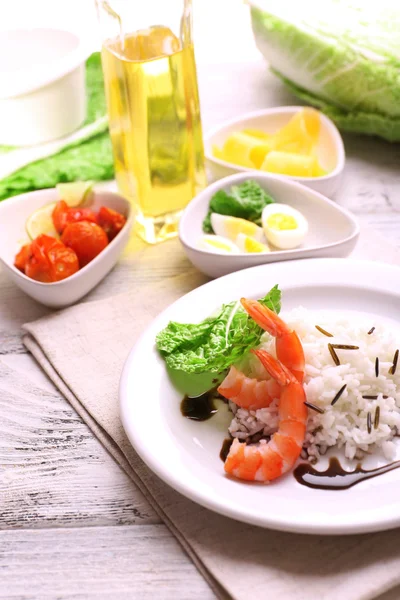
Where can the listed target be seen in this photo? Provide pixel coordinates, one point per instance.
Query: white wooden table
(72, 524)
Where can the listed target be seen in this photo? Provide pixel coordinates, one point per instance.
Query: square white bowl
(329, 150)
(13, 215)
(333, 231)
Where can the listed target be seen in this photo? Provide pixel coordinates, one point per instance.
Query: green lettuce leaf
(342, 56)
(354, 122)
(91, 160)
(245, 201)
(215, 343)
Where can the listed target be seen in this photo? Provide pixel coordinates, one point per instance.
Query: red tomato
(64, 262)
(75, 215)
(50, 260)
(22, 257)
(59, 216)
(38, 266)
(86, 239)
(111, 221)
(63, 215)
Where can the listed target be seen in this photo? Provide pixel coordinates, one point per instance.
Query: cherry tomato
(50, 260)
(59, 216)
(63, 215)
(64, 262)
(86, 239)
(38, 266)
(22, 257)
(75, 215)
(111, 221)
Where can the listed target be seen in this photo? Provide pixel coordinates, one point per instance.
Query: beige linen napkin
(83, 348)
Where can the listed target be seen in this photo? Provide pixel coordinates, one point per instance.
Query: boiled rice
(343, 425)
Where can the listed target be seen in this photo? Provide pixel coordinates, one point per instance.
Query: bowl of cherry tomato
(56, 253)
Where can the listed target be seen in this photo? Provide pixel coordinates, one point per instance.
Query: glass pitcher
(153, 105)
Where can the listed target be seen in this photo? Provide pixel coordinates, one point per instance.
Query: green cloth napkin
(91, 159)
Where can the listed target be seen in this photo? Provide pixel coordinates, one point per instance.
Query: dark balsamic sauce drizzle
(201, 407)
(226, 446)
(335, 477)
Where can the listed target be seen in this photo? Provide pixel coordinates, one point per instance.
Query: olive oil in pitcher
(155, 126)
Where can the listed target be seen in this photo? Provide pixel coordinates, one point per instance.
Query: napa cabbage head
(342, 56)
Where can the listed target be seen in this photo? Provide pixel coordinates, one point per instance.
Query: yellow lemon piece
(311, 121)
(248, 244)
(217, 152)
(251, 147)
(306, 122)
(230, 227)
(258, 153)
(238, 147)
(75, 193)
(287, 163)
(257, 133)
(41, 222)
(318, 171)
(300, 134)
(302, 146)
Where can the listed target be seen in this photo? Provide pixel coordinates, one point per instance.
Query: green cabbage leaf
(342, 56)
(215, 343)
(91, 159)
(245, 201)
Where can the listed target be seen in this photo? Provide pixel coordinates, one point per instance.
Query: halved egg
(230, 227)
(248, 244)
(284, 226)
(218, 244)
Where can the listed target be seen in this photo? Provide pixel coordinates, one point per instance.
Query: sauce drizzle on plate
(335, 477)
(199, 408)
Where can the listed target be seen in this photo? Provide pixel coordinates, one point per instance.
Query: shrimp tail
(276, 369)
(265, 317)
(287, 343)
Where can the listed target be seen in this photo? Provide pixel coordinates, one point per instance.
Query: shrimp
(287, 343)
(248, 393)
(266, 461)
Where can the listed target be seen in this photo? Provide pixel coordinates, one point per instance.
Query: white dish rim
(384, 522)
(95, 261)
(238, 177)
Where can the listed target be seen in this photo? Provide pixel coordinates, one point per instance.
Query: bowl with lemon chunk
(57, 244)
(254, 218)
(297, 142)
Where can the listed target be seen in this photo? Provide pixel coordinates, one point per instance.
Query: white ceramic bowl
(42, 85)
(333, 231)
(330, 149)
(13, 215)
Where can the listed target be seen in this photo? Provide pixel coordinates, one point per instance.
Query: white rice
(343, 425)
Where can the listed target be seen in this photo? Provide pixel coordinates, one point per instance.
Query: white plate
(333, 230)
(185, 453)
(330, 149)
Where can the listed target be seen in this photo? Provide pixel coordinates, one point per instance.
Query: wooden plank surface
(72, 523)
(53, 468)
(103, 563)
